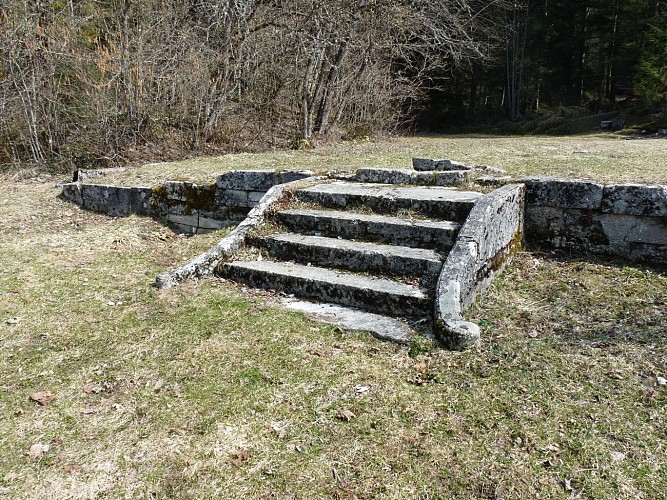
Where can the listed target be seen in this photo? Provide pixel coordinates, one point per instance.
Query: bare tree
(98, 82)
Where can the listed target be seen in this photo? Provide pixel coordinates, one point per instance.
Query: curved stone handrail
(491, 234)
(204, 265)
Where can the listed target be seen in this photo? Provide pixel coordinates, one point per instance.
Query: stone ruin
(425, 247)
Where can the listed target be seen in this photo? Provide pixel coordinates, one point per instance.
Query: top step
(405, 176)
(440, 202)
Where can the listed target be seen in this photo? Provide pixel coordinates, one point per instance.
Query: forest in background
(94, 83)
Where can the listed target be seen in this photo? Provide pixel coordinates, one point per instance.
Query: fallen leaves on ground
(242, 456)
(345, 415)
(92, 388)
(43, 398)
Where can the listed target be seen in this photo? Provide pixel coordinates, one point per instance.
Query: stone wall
(491, 233)
(111, 200)
(189, 207)
(244, 188)
(193, 208)
(625, 220)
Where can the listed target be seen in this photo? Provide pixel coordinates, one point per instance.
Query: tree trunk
(322, 122)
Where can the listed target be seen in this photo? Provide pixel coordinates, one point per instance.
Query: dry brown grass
(605, 158)
(207, 390)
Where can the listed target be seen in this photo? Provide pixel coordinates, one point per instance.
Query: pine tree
(651, 79)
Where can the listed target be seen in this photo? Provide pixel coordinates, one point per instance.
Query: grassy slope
(205, 390)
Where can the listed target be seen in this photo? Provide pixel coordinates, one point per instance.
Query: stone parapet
(487, 240)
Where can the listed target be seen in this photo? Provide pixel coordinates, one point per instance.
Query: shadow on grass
(599, 300)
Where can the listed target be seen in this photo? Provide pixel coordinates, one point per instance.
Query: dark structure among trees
(86, 83)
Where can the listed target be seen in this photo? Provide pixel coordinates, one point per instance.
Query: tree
(515, 57)
(652, 74)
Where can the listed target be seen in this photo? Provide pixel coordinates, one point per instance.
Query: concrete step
(438, 202)
(380, 228)
(372, 294)
(405, 176)
(352, 255)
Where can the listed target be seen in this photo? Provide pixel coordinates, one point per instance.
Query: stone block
(404, 176)
(496, 219)
(258, 180)
(628, 236)
(635, 199)
(191, 220)
(564, 228)
(140, 200)
(624, 229)
(110, 200)
(254, 197)
(565, 193)
(175, 190)
(427, 164)
(248, 180)
(493, 180)
(384, 175)
(210, 223)
(294, 175)
(233, 198)
(72, 192)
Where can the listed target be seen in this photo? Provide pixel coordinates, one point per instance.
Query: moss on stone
(158, 197)
(199, 197)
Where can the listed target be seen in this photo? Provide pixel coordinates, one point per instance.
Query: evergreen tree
(652, 73)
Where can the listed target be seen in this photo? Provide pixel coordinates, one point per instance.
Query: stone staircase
(375, 247)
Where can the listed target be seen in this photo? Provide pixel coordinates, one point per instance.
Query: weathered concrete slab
(635, 199)
(232, 197)
(404, 176)
(418, 233)
(565, 193)
(372, 294)
(351, 255)
(628, 229)
(381, 327)
(83, 174)
(428, 164)
(115, 201)
(493, 180)
(254, 197)
(446, 203)
(106, 199)
(140, 200)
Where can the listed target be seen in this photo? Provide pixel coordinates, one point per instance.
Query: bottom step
(372, 294)
(380, 326)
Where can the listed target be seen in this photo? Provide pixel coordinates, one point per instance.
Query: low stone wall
(189, 207)
(245, 188)
(193, 208)
(489, 236)
(111, 200)
(625, 220)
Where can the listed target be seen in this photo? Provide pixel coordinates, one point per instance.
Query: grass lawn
(605, 158)
(208, 391)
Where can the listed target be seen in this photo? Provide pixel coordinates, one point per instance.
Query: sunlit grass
(604, 158)
(208, 390)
